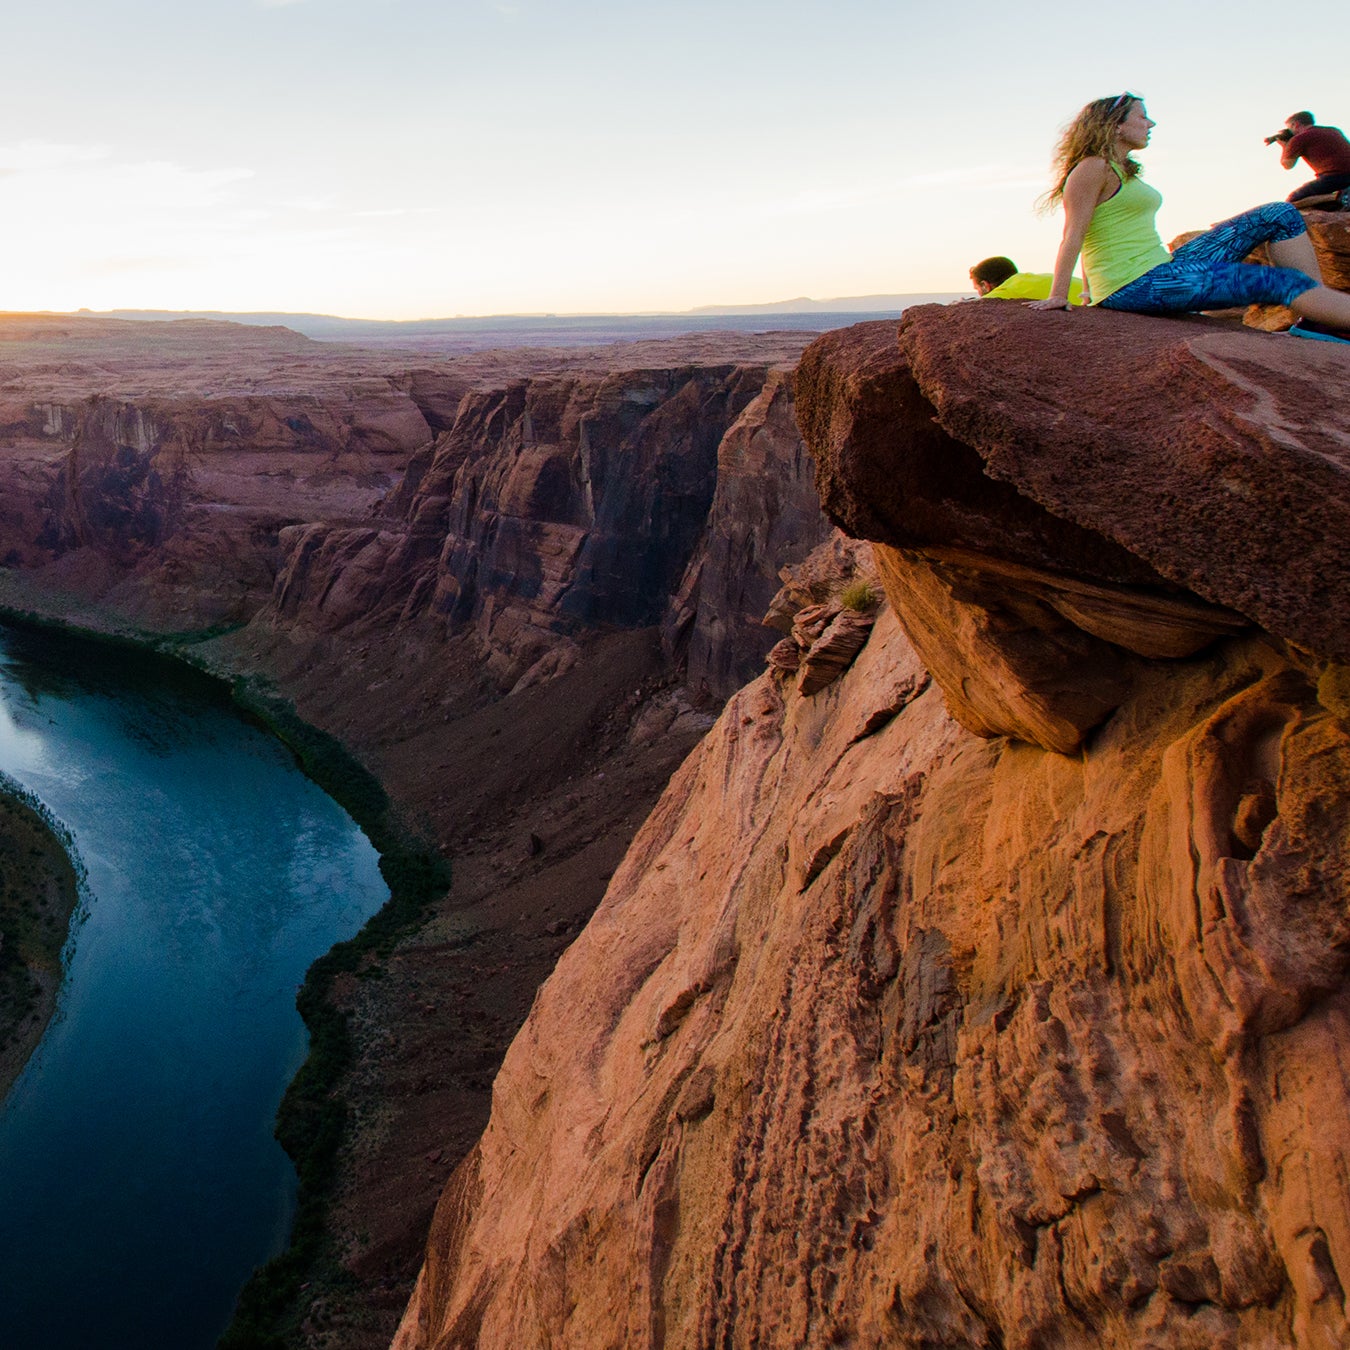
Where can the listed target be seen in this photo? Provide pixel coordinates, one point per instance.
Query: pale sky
(413, 159)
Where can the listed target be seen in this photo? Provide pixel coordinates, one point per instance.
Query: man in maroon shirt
(1324, 148)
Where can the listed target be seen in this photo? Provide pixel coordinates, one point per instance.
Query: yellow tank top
(1122, 240)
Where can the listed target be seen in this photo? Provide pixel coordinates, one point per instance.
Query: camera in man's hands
(1284, 134)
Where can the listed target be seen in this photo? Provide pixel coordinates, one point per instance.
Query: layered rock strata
(151, 469)
(566, 504)
(997, 994)
(474, 606)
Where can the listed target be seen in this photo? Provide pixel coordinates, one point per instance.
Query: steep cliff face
(166, 474)
(554, 507)
(188, 475)
(998, 994)
(715, 625)
(157, 487)
(513, 708)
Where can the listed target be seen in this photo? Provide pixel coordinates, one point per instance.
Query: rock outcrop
(1033, 515)
(997, 994)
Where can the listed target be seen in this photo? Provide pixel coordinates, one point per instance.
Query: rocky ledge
(1078, 492)
(998, 994)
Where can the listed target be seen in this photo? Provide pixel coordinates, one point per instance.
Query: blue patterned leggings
(1208, 273)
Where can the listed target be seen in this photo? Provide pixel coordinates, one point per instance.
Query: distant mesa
(473, 332)
(873, 305)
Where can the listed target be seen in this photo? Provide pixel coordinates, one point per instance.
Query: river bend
(139, 1179)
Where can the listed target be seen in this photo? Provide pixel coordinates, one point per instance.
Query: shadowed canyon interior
(989, 989)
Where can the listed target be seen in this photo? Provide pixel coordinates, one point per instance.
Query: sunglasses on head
(1121, 102)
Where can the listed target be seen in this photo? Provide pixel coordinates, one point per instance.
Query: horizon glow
(401, 159)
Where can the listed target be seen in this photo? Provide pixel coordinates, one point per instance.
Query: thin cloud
(391, 212)
(884, 193)
(45, 156)
(153, 211)
(974, 176)
(94, 168)
(310, 205)
(159, 262)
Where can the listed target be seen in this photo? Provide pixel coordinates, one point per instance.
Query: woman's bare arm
(1083, 190)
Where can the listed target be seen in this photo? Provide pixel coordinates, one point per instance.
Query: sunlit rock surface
(1065, 534)
(1018, 1024)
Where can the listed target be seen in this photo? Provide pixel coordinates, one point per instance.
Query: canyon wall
(486, 575)
(996, 994)
(170, 477)
(557, 506)
(150, 474)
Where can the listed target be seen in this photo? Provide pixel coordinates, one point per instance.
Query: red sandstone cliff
(998, 994)
(558, 505)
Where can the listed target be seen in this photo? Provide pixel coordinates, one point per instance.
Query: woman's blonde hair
(1092, 132)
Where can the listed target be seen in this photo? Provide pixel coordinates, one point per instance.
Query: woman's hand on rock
(1052, 303)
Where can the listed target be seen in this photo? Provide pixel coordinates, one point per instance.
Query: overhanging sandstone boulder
(1123, 485)
(1217, 456)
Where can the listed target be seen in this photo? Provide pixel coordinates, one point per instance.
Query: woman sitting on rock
(1108, 219)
